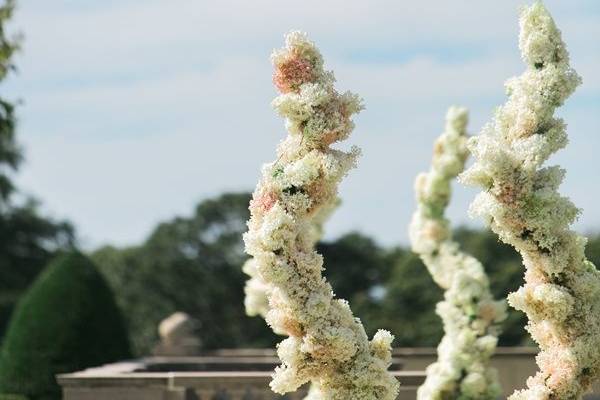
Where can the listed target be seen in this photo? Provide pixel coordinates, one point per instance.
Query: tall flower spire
(469, 312)
(521, 203)
(256, 300)
(326, 344)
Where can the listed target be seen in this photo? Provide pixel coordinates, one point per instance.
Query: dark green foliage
(191, 265)
(404, 296)
(392, 289)
(27, 240)
(358, 270)
(355, 267)
(27, 243)
(10, 153)
(592, 251)
(411, 296)
(386, 289)
(12, 397)
(67, 321)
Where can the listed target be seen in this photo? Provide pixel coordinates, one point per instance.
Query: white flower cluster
(256, 300)
(327, 345)
(470, 315)
(520, 202)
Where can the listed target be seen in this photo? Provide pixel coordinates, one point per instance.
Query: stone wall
(103, 385)
(244, 374)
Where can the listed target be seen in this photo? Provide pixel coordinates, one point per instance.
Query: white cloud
(134, 111)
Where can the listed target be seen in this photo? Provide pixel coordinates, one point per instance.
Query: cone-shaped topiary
(68, 320)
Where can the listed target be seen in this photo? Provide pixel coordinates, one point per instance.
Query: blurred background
(139, 129)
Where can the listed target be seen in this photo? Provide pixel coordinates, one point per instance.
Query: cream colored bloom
(521, 203)
(470, 315)
(326, 344)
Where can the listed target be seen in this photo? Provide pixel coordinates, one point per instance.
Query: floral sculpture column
(521, 203)
(470, 314)
(327, 345)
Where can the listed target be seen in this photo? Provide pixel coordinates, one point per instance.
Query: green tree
(408, 308)
(27, 242)
(357, 269)
(191, 265)
(10, 153)
(67, 321)
(27, 239)
(593, 249)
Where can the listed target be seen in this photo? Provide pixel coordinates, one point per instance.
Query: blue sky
(133, 111)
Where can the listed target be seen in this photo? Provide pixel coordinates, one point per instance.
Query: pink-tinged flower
(264, 201)
(292, 73)
(507, 193)
(535, 276)
(561, 368)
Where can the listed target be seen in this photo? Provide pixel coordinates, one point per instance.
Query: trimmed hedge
(67, 321)
(12, 397)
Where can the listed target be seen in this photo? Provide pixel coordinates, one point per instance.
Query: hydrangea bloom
(327, 345)
(470, 314)
(521, 203)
